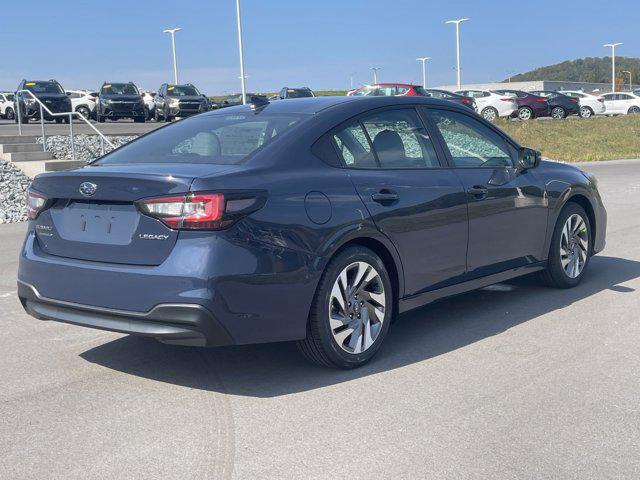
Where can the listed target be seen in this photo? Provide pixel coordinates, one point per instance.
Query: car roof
(313, 105)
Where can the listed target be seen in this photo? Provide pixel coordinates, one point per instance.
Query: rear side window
(215, 139)
(470, 143)
(388, 139)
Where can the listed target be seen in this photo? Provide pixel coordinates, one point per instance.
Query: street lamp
(628, 73)
(424, 69)
(613, 63)
(457, 22)
(375, 74)
(240, 49)
(173, 31)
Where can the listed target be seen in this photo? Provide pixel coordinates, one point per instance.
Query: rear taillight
(508, 100)
(200, 211)
(466, 101)
(35, 203)
(601, 100)
(540, 99)
(574, 100)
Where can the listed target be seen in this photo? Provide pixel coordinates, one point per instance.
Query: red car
(409, 90)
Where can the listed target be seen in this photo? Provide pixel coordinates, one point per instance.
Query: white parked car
(621, 103)
(589, 104)
(6, 106)
(83, 102)
(491, 105)
(148, 98)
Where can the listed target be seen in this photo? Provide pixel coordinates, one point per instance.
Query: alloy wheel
(585, 112)
(524, 114)
(574, 245)
(490, 114)
(634, 110)
(557, 113)
(357, 307)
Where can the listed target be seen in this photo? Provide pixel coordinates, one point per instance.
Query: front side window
(215, 139)
(470, 143)
(388, 139)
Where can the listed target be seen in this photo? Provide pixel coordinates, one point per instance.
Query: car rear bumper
(177, 324)
(256, 292)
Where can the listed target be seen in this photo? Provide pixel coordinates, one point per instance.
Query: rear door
(507, 209)
(418, 204)
(610, 103)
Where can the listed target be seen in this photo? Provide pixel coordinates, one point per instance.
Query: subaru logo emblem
(88, 189)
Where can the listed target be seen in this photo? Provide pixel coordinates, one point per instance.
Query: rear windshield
(43, 87)
(182, 90)
(217, 139)
(119, 89)
(299, 93)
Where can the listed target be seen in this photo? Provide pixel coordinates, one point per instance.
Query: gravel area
(13, 184)
(87, 146)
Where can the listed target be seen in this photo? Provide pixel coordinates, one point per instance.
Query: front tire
(490, 114)
(351, 311)
(9, 114)
(84, 111)
(570, 249)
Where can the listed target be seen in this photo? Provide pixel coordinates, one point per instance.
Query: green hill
(590, 69)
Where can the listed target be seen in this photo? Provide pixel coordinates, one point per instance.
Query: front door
(507, 208)
(418, 204)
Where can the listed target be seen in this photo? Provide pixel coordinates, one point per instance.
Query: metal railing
(70, 116)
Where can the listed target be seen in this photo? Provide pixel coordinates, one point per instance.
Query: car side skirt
(421, 299)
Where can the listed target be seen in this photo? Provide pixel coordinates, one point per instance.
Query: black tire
(555, 275)
(525, 113)
(586, 112)
(99, 118)
(633, 110)
(490, 114)
(320, 347)
(140, 119)
(9, 114)
(156, 114)
(84, 111)
(558, 113)
(167, 117)
(59, 120)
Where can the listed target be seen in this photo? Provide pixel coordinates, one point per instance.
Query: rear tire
(351, 311)
(525, 113)
(84, 111)
(571, 247)
(9, 114)
(633, 111)
(139, 119)
(586, 112)
(558, 113)
(489, 113)
(99, 118)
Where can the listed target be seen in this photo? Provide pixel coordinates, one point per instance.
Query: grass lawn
(579, 140)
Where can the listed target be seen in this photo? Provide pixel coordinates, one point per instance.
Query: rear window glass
(217, 139)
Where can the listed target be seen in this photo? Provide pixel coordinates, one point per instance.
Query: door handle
(479, 192)
(384, 196)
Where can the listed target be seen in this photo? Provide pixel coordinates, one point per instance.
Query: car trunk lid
(93, 215)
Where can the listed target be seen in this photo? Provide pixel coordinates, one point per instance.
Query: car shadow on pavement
(277, 369)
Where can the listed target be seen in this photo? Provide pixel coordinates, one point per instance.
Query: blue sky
(318, 43)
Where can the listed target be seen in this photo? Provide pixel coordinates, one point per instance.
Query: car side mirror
(528, 158)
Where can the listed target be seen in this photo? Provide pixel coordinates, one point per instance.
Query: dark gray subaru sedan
(316, 220)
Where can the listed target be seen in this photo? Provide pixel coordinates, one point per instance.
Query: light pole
(375, 74)
(424, 69)
(240, 49)
(173, 31)
(613, 63)
(629, 73)
(457, 22)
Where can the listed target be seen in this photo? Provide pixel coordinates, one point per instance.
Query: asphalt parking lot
(515, 381)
